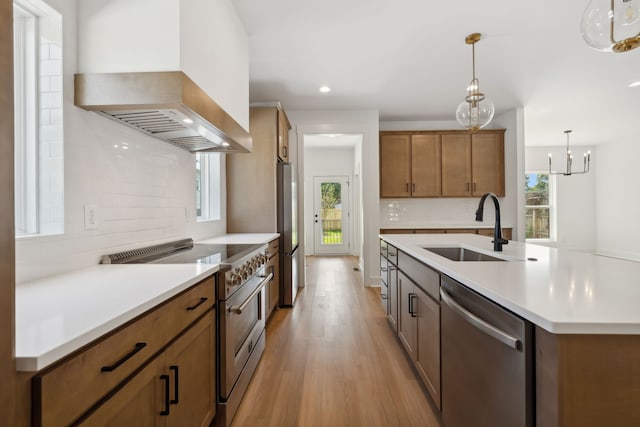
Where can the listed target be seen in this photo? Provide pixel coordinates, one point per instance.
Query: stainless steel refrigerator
(288, 229)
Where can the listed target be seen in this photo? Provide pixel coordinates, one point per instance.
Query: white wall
(363, 122)
(618, 200)
(141, 194)
(425, 212)
(203, 38)
(575, 197)
(330, 161)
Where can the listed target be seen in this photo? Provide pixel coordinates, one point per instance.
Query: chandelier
(612, 25)
(569, 159)
(476, 111)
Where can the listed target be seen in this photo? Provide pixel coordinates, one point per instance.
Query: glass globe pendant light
(476, 111)
(612, 25)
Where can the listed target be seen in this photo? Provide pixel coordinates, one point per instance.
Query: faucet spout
(498, 241)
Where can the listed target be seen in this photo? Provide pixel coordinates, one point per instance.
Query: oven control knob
(236, 279)
(248, 269)
(264, 259)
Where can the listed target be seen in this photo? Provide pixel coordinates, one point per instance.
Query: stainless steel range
(240, 307)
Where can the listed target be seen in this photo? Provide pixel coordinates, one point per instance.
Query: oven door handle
(238, 309)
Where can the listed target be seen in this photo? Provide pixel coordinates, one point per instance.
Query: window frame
(38, 58)
(26, 121)
(551, 206)
(208, 186)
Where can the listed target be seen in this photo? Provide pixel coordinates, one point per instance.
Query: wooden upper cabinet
(473, 164)
(395, 166)
(425, 165)
(456, 165)
(441, 163)
(283, 136)
(487, 163)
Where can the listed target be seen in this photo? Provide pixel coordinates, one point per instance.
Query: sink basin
(458, 253)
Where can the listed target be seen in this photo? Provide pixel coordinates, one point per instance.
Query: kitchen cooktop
(183, 252)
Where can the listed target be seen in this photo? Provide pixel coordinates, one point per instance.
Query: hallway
(332, 360)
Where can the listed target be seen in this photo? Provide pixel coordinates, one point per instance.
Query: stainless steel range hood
(166, 105)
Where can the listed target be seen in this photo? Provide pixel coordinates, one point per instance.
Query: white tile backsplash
(140, 193)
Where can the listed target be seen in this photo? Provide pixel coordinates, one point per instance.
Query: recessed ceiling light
(634, 84)
(325, 89)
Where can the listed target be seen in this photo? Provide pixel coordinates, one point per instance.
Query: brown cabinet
(419, 332)
(273, 287)
(176, 389)
(473, 164)
(283, 136)
(441, 163)
(252, 178)
(67, 390)
(409, 165)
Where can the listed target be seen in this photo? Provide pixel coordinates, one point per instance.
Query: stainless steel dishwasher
(487, 361)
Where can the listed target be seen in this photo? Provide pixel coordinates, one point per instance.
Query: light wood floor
(332, 360)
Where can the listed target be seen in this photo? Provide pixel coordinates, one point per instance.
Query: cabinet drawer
(69, 388)
(425, 277)
(273, 249)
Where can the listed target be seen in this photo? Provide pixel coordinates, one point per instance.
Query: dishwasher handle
(480, 324)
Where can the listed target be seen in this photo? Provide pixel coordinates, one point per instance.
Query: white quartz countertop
(564, 292)
(257, 238)
(57, 315)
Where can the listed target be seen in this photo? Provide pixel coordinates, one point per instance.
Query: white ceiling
(408, 59)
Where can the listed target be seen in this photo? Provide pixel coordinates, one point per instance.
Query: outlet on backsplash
(90, 217)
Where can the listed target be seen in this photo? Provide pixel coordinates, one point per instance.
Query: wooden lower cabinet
(177, 388)
(135, 404)
(191, 365)
(419, 332)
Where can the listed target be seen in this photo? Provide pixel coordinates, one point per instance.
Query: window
(538, 206)
(208, 186)
(39, 167)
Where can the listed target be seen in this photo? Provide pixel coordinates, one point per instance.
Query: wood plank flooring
(332, 360)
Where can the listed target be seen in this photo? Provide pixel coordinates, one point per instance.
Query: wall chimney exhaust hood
(167, 105)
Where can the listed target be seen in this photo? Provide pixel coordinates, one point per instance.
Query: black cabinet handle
(198, 304)
(174, 368)
(412, 309)
(139, 346)
(166, 411)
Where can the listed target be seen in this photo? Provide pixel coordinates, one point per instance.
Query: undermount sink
(458, 253)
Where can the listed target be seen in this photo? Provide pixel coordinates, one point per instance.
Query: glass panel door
(331, 215)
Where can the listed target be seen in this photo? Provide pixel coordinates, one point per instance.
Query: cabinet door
(283, 137)
(425, 165)
(428, 343)
(273, 288)
(393, 296)
(456, 165)
(487, 163)
(395, 166)
(190, 364)
(138, 403)
(406, 315)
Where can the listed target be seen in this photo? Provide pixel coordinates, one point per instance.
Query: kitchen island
(585, 317)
